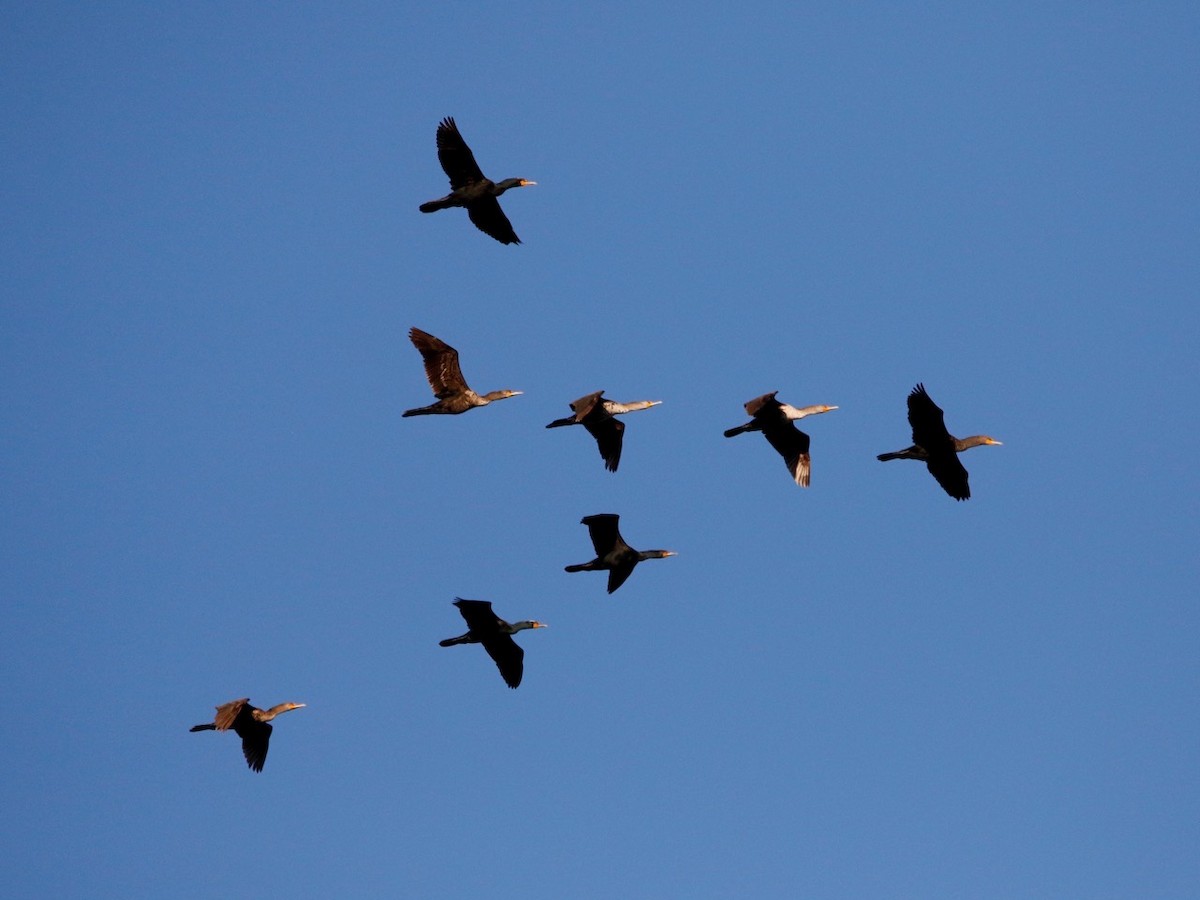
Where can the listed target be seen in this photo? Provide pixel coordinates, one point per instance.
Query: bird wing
(584, 406)
(479, 616)
(602, 528)
(508, 656)
(792, 444)
(618, 574)
(256, 739)
(950, 474)
(441, 364)
(755, 406)
(608, 434)
(227, 713)
(491, 220)
(455, 156)
(927, 420)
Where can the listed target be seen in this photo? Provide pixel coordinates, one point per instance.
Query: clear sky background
(212, 255)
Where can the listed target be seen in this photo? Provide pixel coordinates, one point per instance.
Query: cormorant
(935, 446)
(596, 415)
(774, 420)
(612, 553)
(250, 724)
(446, 379)
(470, 188)
(485, 627)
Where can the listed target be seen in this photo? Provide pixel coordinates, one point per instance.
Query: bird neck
(502, 186)
(656, 554)
(975, 440)
(630, 407)
(522, 626)
(269, 714)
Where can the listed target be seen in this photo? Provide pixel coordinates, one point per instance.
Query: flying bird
(774, 419)
(937, 447)
(470, 189)
(485, 627)
(249, 723)
(595, 414)
(446, 379)
(613, 555)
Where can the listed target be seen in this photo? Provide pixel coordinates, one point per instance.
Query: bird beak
(540, 625)
(996, 443)
(828, 408)
(525, 183)
(298, 705)
(656, 403)
(672, 553)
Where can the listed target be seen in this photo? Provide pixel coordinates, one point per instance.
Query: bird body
(469, 188)
(485, 627)
(935, 446)
(596, 414)
(249, 723)
(774, 419)
(446, 378)
(613, 555)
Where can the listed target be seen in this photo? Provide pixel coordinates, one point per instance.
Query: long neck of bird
(633, 406)
(793, 413)
(975, 440)
(268, 714)
(522, 626)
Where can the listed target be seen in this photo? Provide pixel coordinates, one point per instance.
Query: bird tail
(434, 205)
(884, 457)
(422, 411)
(734, 432)
(207, 726)
(559, 423)
(450, 642)
(579, 567)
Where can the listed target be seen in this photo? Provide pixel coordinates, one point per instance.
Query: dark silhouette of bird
(613, 555)
(937, 447)
(595, 414)
(774, 419)
(470, 189)
(485, 627)
(249, 723)
(446, 379)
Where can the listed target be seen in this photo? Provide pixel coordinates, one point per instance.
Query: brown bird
(250, 724)
(774, 419)
(613, 555)
(470, 189)
(937, 447)
(485, 627)
(596, 415)
(446, 379)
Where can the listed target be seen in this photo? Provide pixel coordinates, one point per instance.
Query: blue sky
(213, 256)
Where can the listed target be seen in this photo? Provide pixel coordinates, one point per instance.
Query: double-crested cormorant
(937, 447)
(612, 553)
(595, 414)
(446, 379)
(774, 420)
(487, 628)
(250, 724)
(470, 188)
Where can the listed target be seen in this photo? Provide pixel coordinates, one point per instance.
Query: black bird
(774, 419)
(470, 189)
(613, 555)
(937, 447)
(485, 627)
(596, 415)
(250, 724)
(446, 379)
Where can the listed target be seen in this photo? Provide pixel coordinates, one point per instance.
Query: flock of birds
(932, 444)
